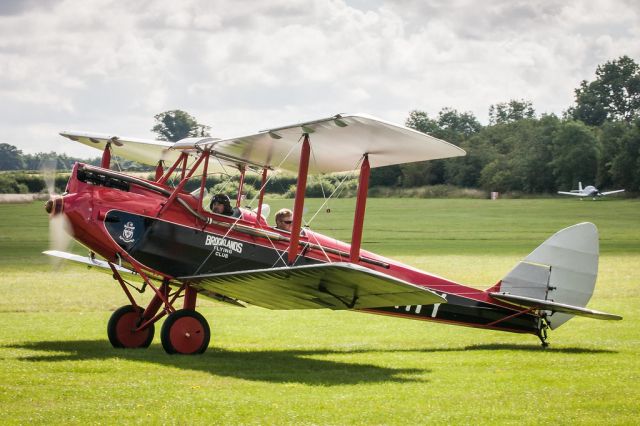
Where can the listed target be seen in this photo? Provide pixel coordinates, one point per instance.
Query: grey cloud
(241, 66)
(17, 7)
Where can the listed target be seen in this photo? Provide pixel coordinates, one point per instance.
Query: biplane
(154, 232)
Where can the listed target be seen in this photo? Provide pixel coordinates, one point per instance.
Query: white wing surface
(612, 192)
(145, 151)
(337, 143)
(575, 194)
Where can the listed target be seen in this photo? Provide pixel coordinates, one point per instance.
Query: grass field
(323, 367)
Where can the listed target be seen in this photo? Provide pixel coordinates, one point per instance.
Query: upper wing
(145, 151)
(612, 192)
(337, 143)
(329, 285)
(577, 194)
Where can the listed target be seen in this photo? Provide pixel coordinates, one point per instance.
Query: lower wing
(330, 285)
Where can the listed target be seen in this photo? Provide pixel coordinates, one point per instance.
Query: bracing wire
(251, 203)
(349, 175)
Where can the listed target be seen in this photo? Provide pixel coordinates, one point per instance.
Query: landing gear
(185, 332)
(543, 326)
(122, 326)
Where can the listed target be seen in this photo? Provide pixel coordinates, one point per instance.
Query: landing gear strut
(543, 326)
(185, 331)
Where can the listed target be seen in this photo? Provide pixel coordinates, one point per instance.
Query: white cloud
(110, 66)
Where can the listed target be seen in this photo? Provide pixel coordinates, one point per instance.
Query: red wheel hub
(125, 331)
(187, 335)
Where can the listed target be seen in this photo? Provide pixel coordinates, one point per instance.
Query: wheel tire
(121, 325)
(185, 332)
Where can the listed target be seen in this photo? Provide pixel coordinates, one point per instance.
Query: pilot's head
(284, 219)
(221, 204)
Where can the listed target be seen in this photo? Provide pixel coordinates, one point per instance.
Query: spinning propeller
(60, 234)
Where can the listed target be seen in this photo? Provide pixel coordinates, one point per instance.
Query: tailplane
(558, 277)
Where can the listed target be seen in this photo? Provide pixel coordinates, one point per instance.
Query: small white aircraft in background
(589, 191)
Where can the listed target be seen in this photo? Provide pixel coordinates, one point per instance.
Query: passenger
(221, 204)
(284, 219)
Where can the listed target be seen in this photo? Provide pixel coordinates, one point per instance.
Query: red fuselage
(124, 219)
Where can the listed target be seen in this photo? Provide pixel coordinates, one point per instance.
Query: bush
(432, 191)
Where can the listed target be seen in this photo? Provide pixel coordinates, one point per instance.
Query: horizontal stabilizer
(548, 305)
(330, 285)
(89, 261)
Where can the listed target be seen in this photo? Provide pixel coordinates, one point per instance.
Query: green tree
(176, 124)
(455, 127)
(626, 162)
(497, 175)
(515, 156)
(508, 112)
(452, 126)
(613, 95)
(465, 171)
(575, 153)
(10, 157)
(610, 136)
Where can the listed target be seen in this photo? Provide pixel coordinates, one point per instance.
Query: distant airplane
(589, 191)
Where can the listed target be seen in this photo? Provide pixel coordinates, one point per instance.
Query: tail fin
(580, 186)
(561, 273)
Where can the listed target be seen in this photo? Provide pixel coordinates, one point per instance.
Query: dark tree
(626, 161)
(614, 95)
(575, 155)
(508, 112)
(452, 126)
(10, 157)
(176, 124)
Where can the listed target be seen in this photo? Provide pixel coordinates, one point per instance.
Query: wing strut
(261, 197)
(159, 170)
(243, 169)
(298, 206)
(361, 204)
(105, 163)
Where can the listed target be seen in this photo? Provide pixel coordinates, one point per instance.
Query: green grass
(324, 367)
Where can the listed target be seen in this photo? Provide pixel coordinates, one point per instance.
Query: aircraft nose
(54, 205)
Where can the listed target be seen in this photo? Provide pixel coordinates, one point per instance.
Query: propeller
(60, 233)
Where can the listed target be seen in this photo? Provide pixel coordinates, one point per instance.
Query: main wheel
(185, 332)
(121, 328)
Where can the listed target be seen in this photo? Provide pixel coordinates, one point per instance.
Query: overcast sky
(241, 66)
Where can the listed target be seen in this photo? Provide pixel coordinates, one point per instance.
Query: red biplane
(168, 239)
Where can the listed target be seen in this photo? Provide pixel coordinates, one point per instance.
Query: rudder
(563, 269)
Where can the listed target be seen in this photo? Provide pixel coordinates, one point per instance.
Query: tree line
(596, 141)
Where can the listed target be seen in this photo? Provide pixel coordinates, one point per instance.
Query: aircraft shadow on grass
(285, 366)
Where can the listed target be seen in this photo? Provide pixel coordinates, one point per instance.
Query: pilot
(284, 219)
(221, 204)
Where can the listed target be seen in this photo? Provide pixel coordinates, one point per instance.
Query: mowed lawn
(324, 367)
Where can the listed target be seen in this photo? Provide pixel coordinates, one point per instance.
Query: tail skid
(557, 278)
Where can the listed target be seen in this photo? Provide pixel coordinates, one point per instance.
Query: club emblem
(127, 232)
